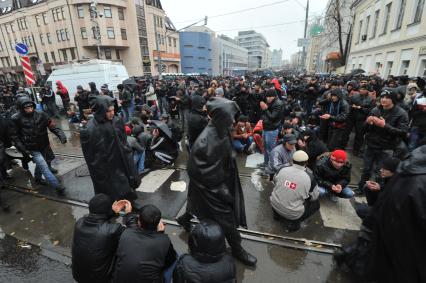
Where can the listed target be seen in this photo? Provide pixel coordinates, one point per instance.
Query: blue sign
(21, 48)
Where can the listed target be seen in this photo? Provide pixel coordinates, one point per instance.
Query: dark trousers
(335, 138)
(359, 135)
(373, 159)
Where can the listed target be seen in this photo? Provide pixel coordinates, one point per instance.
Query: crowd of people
(307, 128)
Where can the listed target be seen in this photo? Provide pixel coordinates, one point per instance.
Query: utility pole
(304, 35)
(96, 30)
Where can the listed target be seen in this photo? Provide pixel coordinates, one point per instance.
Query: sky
(281, 22)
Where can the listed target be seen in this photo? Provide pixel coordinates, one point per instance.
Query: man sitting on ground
(281, 155)
(333, 174)
(295, 195)
(145, 253)
(95, 240)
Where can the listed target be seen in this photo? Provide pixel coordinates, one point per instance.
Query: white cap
(300, 156)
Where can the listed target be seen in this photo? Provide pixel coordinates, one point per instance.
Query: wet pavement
(49, 224)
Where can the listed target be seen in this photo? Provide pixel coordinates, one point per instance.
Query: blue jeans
(168, 273)
(269, 141)
(239, 145)
(345, 193)
(43, 169)
(415, 136)
(139, 159)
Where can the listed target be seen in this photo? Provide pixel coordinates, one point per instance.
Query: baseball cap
(300, 156)
(339, 155)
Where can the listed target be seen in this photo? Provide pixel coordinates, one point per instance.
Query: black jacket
(366, 104)
(30, 130)
(418, 116)
(390, 135)
(208, 261)
(94, 246)
(82, 99)
(397, 249)
(107, 155)
(142, 256)
(214, 186)
(272, 116)
(196, 119)
(327, 176)
(339, 112)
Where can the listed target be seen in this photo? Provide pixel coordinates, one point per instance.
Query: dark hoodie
(30, 130)
(197, 120)
(397, 251)
(93, 93)
(214, 187)
(207, 261)
(107, 155)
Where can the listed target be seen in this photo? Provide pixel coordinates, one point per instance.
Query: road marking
(254, 159)
(151, 182)
(340, 215)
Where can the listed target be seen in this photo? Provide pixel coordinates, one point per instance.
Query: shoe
(358, 192)
(292, 226)
(40, 181)
(60, 190)
(252, 148)
(245, 257)
(184, 223)
(53, 170)
(339, 257)
(334, 198)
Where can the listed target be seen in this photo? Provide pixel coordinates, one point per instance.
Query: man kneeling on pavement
(295, 195)
(333, 174)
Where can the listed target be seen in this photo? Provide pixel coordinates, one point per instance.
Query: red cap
(339, 155)
(127, 130)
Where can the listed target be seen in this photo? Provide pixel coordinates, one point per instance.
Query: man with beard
(107, 155)
(214, 188)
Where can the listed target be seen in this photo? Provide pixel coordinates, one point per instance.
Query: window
(387, 15)
(45, 21)
(422, 71)
(359, 31)
(72, 53)
(37, 18)
(364, 34)
(96, 33)
(120, 13)
(16, 61)
(58, 35)
(110, 33)
(63, 13)
(170, 41)
(107, 11)
(80, 11)
(188, 46)
(46, 57)
(404, 67)
(376, 20)
(108, 54)
(65, 55)
(54, 15)
(388, 68)
(174, 42)
(419, 11)
(401, 14)
(49, 38)
(41, 39)
(117, 54)
(67, 34)
(123, 34)
(53, 56)
(83, 32)
(161, 22)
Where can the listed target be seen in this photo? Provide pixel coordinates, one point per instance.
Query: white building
(277, 57)
(257, 47)
(389, 37)
(232, 58)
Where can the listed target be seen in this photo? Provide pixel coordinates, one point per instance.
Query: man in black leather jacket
(29, 133)
(207, 261)
(95, 240)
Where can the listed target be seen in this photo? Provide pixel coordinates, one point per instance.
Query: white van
(97, 71)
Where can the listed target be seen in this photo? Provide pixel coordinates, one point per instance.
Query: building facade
(163, 40)
(258, 49)
(277, 58)
(233, 59)
(389, 37)
(62, 31)
(196, 52)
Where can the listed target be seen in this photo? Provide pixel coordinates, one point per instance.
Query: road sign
(21, 48)
(26, 66)
(303, 42)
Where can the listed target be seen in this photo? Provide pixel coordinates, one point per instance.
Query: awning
(334, 55)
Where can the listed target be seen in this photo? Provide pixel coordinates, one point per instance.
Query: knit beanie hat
(339, 155)
(390, 93)
(100, 204)
(390, 163)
